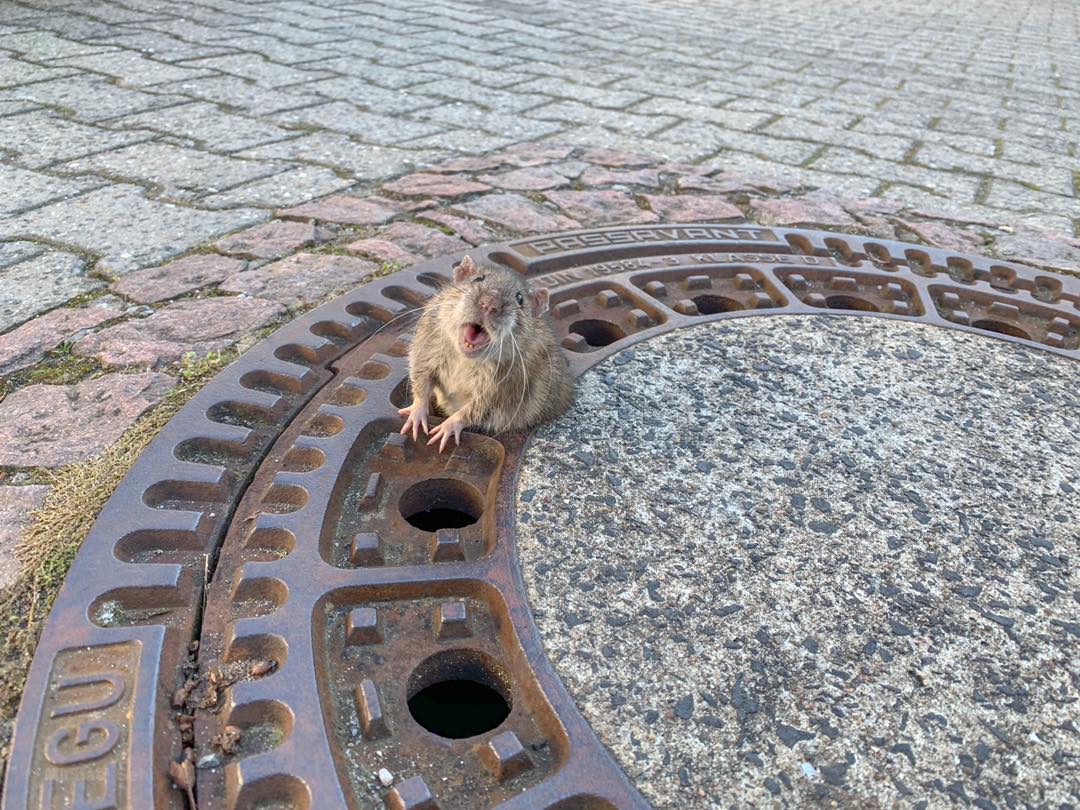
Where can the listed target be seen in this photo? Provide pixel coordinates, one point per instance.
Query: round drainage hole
(441, 503)
(458, 708)
(849, 302)
(459, 693)
(711, 304)
(597, 332)
(1001, 328)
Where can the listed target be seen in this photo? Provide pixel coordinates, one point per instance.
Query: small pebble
(386, 779)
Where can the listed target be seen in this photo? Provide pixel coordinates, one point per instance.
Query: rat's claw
(443, 432)
(415, 418)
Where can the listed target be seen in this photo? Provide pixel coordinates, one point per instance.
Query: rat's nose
(488, 303)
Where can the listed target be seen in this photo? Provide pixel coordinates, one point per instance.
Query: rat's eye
(478, 279)
(520, 299)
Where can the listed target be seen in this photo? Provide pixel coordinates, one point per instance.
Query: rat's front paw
(441, 433)
(416, 416)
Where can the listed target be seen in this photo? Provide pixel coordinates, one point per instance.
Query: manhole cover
(366, 610)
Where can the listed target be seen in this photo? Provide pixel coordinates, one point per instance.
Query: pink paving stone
(420, 239)
(535, 154)
(176, 278)
(467, 164)
(728, 183)
(1041, 248)
(16, 504)
(872, 207)
(956, 215)
(615, 157)
(601, 207)
(538, 178)
(198, 325)
(943, 236)
(271, 240)
(26, 345)
(53, 425)
(302, 279)
(468, 229)
(343, 210)
(434, 185)
(701, 208)
(516, 213)
(596, 176)
(383, 251)
(801, 211)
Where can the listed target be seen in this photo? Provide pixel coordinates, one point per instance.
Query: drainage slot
(441, 503)
(459, 693)
(712, 304)
(597, 332)
(1001, 328)
(849, 302)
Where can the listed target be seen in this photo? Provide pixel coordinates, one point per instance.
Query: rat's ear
(465, 269)
(539, 300)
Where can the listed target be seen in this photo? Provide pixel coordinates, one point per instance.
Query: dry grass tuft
(48, 547)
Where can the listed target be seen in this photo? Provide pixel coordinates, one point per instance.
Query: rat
(485, 354)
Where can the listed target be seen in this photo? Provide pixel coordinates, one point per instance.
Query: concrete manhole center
(783, 556)
(761, 558)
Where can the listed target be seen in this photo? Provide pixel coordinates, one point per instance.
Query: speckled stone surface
(818, 561)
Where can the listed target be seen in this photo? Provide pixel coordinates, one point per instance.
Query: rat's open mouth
(474, 337)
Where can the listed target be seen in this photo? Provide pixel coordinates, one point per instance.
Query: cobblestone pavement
(134, 131)
(158, 160)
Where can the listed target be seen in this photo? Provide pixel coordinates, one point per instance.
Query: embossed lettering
(82, 750)
(82, 801)
(82, 737)
(658, 233)
(115, 693)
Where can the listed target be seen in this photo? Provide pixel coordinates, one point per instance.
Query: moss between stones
(48, 547)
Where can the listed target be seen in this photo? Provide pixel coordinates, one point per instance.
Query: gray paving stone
(15, 252)
(127, 229)
(504, 101)
(640, 126)
(161, 46)
(179, 171)
(244, 95)
(205, 124)
(582, 91)
(363, 93)
(388, 76)
(42, 280)
(290, 187)
(726, 118)
(780, 150)
(16, 506)
(90, 98)
(43, 45)
(391, 87)
(470, 117)
(41, 137)
(134, 69)
(15, 106)
(14, 72)
(285, 53)
(338, 116)
(258, 69)
(362, 161)
(22, 189)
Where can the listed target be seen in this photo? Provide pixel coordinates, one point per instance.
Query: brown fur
(519, 379)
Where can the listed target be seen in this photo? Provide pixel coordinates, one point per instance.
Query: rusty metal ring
(337, 596)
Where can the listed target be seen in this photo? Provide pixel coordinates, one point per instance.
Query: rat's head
(492, 304)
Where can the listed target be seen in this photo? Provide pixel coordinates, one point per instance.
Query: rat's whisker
(413, 311)
(524, 381)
